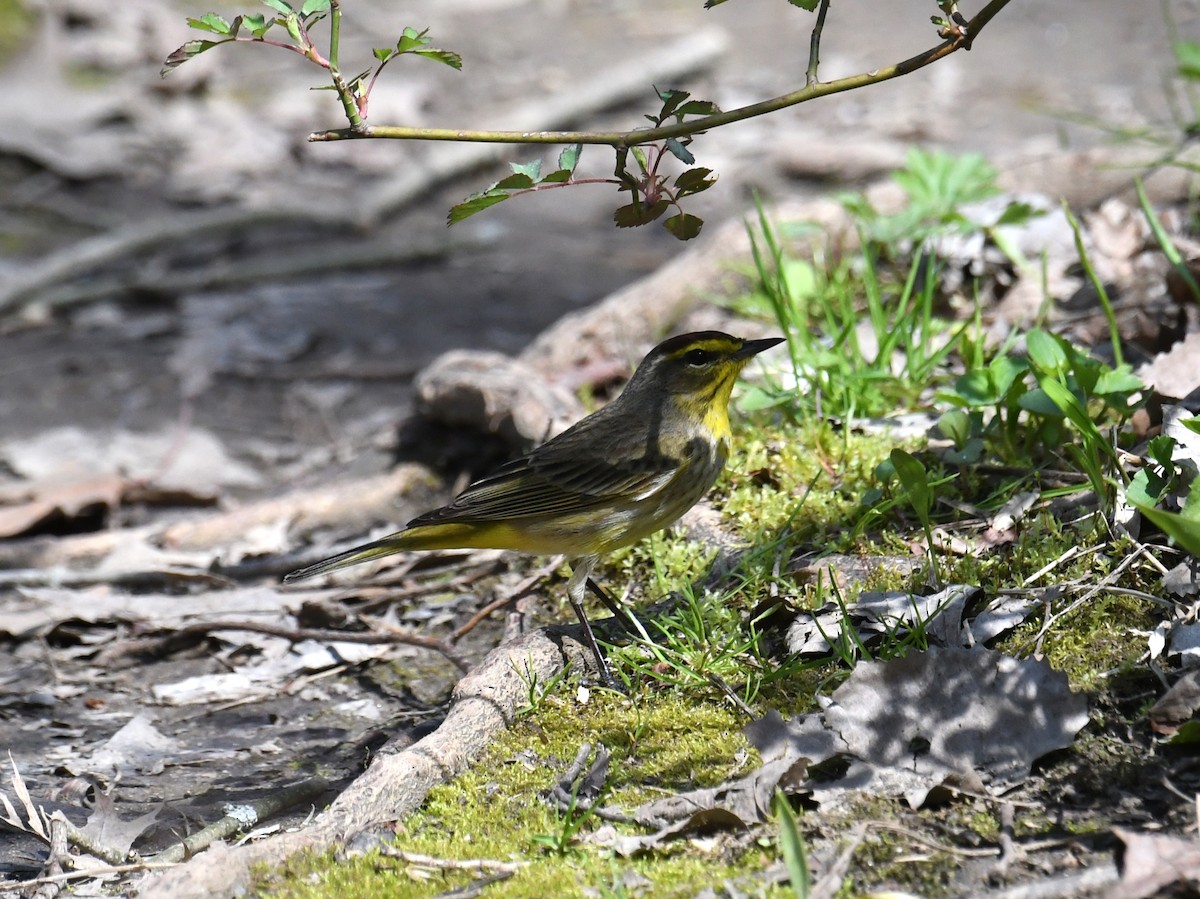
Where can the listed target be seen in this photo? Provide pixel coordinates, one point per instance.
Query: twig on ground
(480, 865)
(243, 817)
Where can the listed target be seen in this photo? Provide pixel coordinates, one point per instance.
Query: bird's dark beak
(754, 347)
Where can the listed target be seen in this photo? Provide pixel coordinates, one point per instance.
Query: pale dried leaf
(954, 712)
(1153, 862)
(1177, 705)
(107, 828)
(33, 822)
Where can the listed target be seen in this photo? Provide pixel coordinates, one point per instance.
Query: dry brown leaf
(1153, 862)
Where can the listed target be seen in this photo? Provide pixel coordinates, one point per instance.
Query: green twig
(621, 139)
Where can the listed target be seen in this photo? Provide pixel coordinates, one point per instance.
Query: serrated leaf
(684, 226)
(532, 169)
(693, 181)
(561, 176)
(211, 22)
(186, 52)
(679, 151)
(698, 107)
(314, 6)
(292, 23)
(569, 157)
(256, 23)
(472, 205)
(515, 181)
(279, 6)
(635, 214)
(446, 57)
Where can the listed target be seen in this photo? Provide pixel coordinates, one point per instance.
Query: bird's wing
(545, 484)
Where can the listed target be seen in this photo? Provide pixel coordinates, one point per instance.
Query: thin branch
(620, 139)
(814, 46)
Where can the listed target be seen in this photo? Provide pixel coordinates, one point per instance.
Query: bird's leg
(580, 569)
(619, 612)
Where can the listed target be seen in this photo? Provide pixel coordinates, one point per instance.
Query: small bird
(620, 474)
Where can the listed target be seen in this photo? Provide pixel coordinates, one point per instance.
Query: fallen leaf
(53, 500)
(947, 712)
(1152, 862)
(1177, 705)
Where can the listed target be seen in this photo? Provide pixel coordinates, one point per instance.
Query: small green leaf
(809, 5)
(314, 6)
(559, 176)
(383, 54)
(569, 157)
(279, 6)
(1119, 380)
(1162, 448)
(1045, 352)
(210, 22)
(446, 57)
(411, 39)
(698, 107)
(1187, 57)
(955, 425)
(1037, 402)
(515, 181)
(916, 482)
(679, 151)
(635, 214)
(292, 22)
(186, 52)
(474, 204)
(532, 169)
(684, 226)
(256, 23)
(693, 181)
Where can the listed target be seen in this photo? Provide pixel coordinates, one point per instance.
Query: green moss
(497, 811)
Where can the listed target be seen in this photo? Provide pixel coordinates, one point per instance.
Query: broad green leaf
(1039, 403)
(472, 205)
(210, 22)
(684, 226)
(955, 425)
(1045, 352)
(1120, 380)
(1147, 487)
(1162, 448)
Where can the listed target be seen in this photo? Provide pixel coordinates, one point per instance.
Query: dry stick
(830, 883)
(89, 874)
(54, 862)
(374, 203)
(244, 817)
(296, 635)
(478, 865)
(524, 588)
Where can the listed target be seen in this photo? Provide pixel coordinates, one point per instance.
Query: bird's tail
(439, 536)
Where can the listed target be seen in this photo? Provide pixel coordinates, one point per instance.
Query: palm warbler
(618, 475)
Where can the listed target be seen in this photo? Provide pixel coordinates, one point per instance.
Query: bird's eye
(699, 357)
